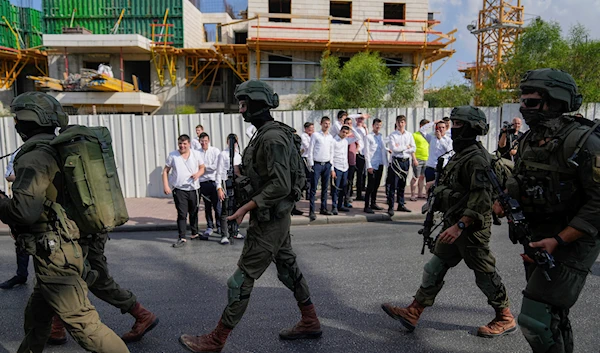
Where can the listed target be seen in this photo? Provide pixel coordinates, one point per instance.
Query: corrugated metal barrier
(142, 143)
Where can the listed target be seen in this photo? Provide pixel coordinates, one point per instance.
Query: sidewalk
(159, 214)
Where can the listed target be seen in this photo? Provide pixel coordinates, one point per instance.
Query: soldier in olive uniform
(557, 182)
(267, 162)
(464, 194)
(45, 232)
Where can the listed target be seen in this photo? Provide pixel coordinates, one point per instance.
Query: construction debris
(86, 80)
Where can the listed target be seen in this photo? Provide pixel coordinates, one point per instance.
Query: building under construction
(145, 56)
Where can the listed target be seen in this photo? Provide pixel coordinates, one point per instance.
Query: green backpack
(93, 195)
(95, 200)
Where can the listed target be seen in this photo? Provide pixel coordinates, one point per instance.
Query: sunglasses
(531, 102)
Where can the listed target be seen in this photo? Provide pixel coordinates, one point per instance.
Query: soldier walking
(465, 196)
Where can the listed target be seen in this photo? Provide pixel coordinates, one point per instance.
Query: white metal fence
(142, 143)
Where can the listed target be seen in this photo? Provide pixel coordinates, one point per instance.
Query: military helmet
(559, 85)
(39, 107)
(471, 116)
(258, 91)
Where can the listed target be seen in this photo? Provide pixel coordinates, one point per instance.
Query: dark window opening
(211, 74)
(240, 37)
(394, 65)
(93, 65)
(341, 9)
(280, 66)
(343, 60)
(141, 70)
(280, 6)
(394, 12)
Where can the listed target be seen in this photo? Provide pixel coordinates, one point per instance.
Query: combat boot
(503, 324)
(144, 322)
(407, 316)
(212, 342)
(308, 326)
(58, 334)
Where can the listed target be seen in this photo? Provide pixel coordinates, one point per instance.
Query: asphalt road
(351, 270)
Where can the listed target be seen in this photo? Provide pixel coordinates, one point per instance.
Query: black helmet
(472, 117)
(40, 108)
(558, 84)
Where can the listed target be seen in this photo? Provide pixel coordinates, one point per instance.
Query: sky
(460, 13)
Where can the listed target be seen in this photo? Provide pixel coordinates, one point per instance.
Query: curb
(296, 221)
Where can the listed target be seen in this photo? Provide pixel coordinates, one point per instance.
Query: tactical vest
(546, 175)
(298, 175)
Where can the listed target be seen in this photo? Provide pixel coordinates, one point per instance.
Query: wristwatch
(560, 241)
(461, 225)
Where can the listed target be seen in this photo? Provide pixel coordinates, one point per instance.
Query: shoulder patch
(24, 179)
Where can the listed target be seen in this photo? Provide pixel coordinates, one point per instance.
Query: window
(343, 60)
(280, 66)
(280, 6)
(341, 9)
(394, 12)
(240, 37)
(394, 64)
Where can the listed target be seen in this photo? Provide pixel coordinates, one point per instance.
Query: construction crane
(497, 29)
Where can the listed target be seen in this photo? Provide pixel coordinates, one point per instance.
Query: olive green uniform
(267, 164)
(45, 232)
(554, 195)
(464, 183)
(104, 287)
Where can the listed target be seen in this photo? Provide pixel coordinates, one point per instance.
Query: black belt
(207, 181)
(401, 159)
(321, 163)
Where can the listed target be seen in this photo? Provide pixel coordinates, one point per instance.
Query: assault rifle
(428, 224)
(519, 227)
(232, 226)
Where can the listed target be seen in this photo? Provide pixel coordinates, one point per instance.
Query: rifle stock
(232, 226)
(428, 224)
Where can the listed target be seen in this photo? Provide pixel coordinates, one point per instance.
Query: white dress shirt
(335, 128)
(360, 132)
(375, 151)
(211, 159)
(320, 148)
(437, 147)
(340, 152)
(305, 144)
(183, 169)
(250, 130)
(399, 144)
(223, 165)
(196, 144)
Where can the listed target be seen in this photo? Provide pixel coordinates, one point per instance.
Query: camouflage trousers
(60, 289)
(573, 263)
(474, 249)
(105, 287)
(266, 242)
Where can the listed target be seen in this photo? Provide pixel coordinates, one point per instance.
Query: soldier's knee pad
(432, 271)
(234, 287)
(535, 320)
(287, 275)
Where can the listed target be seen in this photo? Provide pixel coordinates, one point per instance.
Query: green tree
(449, 96)
(543, 45)
(364, 81)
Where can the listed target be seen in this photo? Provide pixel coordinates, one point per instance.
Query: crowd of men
(550, 195)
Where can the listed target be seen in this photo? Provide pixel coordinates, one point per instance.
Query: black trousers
(360, 174)
(350, 184)
(374, 180)
(186, 202)
(208, 191)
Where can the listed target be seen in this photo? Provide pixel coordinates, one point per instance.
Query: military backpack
(93, 195)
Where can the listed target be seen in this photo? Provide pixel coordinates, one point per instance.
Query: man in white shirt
(439, 145)
(375, 160)
(309, 129)
(223, 166)
(187, 166)
(360, 127)
(196, 141)
(402, 145)
(340, 166)
(337, 125)
(208, 186)
(320, 153)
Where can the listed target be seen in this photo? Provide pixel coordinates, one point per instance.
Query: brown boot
(58, 335)
(212, 342)
(503, 324)
(308, 327)
(144, 322)
(407, 316)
